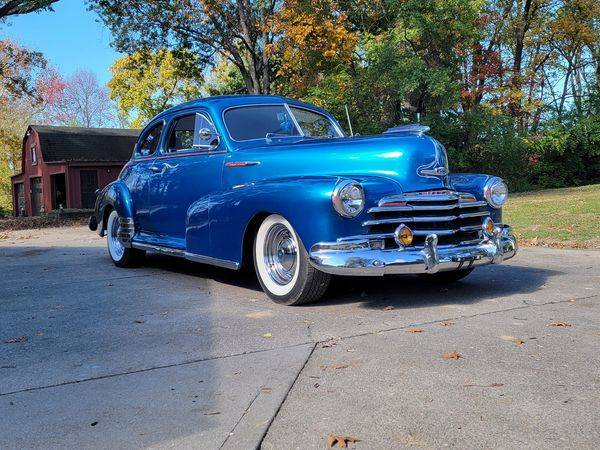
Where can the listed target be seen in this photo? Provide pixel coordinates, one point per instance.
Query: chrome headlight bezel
(495, 192)
(345, 193)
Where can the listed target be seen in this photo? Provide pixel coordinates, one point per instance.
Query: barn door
(36, 196)
(89, 184)
(20, 196)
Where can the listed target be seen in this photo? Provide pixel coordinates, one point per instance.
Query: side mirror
(204, 134)
(207, 138)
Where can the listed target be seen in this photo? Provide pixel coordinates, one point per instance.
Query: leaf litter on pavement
(340, 441)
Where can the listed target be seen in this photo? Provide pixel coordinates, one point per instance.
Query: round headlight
(348, 198)
(495, 192)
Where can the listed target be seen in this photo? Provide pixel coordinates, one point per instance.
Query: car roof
(222, 102)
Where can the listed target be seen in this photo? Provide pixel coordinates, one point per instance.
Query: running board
(183, 254)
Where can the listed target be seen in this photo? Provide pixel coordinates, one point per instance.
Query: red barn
(65, 165)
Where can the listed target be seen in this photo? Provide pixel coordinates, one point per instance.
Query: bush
(481, 142)
(566, 155)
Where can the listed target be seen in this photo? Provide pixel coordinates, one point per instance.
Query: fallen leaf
(328, 344)
(414, 330)
(388, 308)
(556, 323)
(340, 441)
(446, 324)
(214, 413)
(139, 321)
(266, 390)
(17, 340)
(259, 314)
(93, 424)
(513, 339)
(267, 335)
(451, 355)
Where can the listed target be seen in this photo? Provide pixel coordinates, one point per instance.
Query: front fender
(304, 201)
(473, 183)
(115, 196)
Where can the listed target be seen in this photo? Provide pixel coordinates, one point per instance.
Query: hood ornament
(434, 172)
(438, 167)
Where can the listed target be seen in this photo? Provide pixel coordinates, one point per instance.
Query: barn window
(33, 156)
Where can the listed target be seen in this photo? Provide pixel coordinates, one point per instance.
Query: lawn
(568, 217)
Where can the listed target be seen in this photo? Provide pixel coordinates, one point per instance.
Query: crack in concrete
(315, 343)
(148, 369)
(286, 395)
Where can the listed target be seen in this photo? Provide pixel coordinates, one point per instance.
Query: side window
(194, 131)
(149, 143)
(182, 134)
(205, 135)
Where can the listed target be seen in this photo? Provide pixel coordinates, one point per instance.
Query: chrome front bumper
(357, 258)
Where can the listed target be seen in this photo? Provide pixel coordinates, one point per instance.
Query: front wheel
(446, 277)
(121, 256)
(282, 265)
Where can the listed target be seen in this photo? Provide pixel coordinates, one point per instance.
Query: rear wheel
(121, 256)
(446, 277)
(282, 264)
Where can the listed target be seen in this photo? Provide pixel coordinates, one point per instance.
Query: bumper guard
(357, 258)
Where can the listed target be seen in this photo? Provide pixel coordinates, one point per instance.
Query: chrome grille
(455, 217)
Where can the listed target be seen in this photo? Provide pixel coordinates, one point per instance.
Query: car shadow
(410, 291)
(399, 291)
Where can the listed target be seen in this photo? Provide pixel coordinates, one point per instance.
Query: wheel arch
(248, 239)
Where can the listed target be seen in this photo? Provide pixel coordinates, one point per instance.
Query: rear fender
(115, 196)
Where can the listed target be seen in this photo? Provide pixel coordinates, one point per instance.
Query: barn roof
(85, 144)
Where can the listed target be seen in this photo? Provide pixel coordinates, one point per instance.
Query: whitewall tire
(282, 264)
(121, 256)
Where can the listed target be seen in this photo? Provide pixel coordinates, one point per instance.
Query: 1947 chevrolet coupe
(274, 182)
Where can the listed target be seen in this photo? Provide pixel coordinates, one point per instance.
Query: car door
(139, 171)
(187, 170)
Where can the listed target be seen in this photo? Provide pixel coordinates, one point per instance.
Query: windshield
(262, 121)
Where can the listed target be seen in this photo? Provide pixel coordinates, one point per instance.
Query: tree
(238, 30)
(16, 63)
(146, 83)
(18, 69)
(315, 39)
(77, 101)
(18, 7)
(224, 79)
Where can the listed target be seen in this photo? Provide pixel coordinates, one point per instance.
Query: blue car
(274, 183)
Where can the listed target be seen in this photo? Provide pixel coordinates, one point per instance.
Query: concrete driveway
(181, 355)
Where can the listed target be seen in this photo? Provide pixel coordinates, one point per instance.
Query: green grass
(568, 217)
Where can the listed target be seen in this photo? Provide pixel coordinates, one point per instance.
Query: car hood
(400, 158)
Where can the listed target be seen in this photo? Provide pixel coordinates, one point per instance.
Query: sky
(70, 38)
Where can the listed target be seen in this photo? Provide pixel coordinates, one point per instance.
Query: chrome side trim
(183, 254)
(212, 261)
(158, 249)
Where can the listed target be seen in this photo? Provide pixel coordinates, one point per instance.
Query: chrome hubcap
(280, 253)
(115, 247)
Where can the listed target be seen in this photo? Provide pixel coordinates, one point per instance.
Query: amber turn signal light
(403, 235)
(488, 227)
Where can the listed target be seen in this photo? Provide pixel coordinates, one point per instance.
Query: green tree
(237, 30)
(146, 83)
